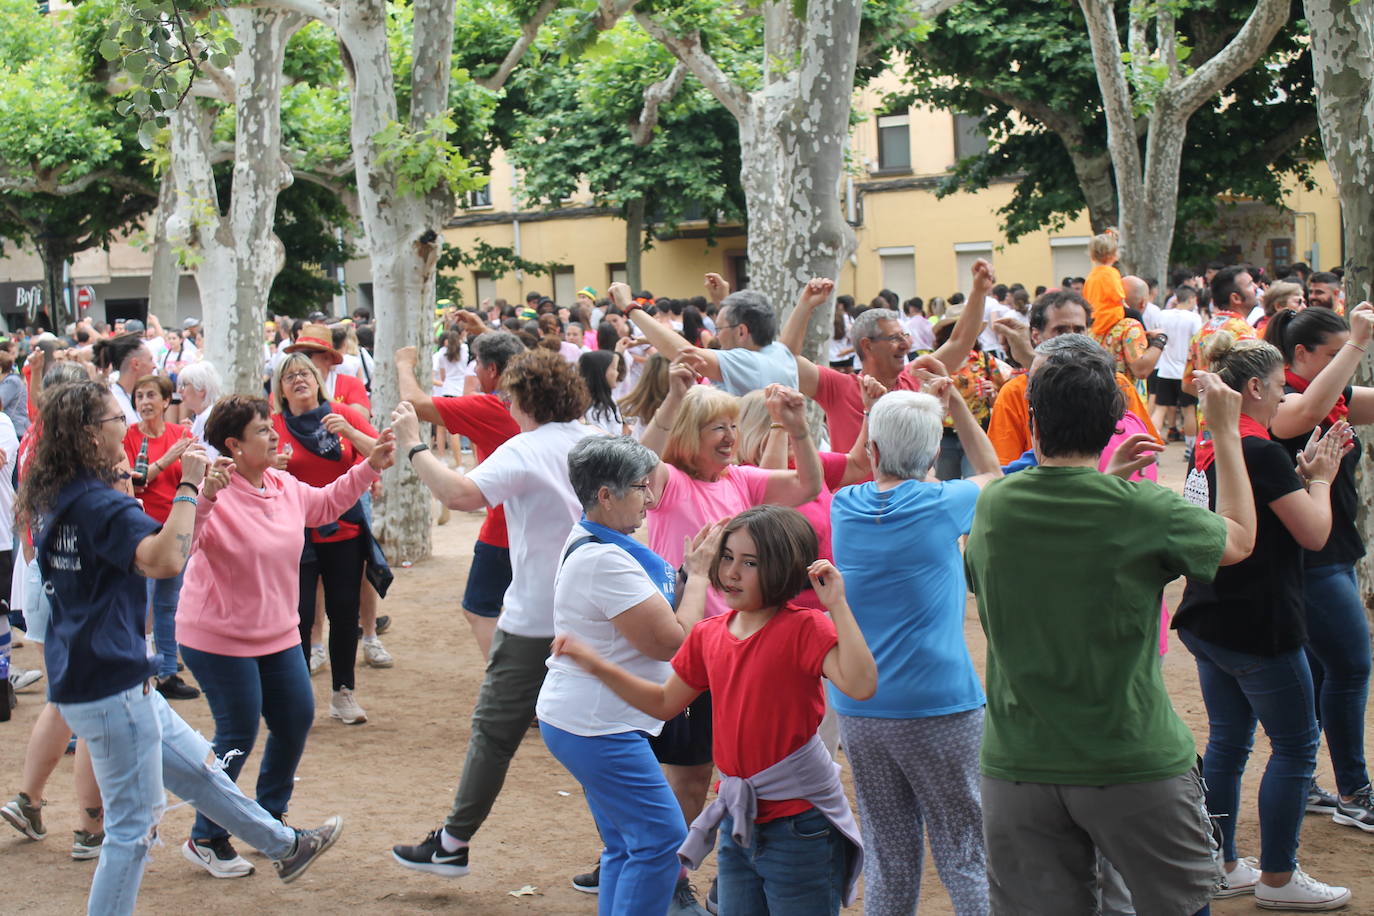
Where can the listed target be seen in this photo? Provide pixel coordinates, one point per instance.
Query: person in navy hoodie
(95, 548)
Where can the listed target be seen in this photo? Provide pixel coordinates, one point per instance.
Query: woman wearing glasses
(320, 442)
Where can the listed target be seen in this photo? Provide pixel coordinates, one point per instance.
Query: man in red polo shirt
(881, 343)
(317, 341)
(485, 419)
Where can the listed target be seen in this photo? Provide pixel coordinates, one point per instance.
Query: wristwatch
(415, 450)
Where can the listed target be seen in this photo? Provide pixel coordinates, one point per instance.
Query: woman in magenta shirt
(237, 620)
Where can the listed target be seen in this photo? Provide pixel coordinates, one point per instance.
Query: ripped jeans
(138, 746)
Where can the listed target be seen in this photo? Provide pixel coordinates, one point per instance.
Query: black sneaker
(588, 883)
(429, 855)
(685, 901)
(383, 624)
(1320, 801)
(174, 688)
(1358, 812)
(310, 845)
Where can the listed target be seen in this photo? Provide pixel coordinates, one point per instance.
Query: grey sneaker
(1358, 812)
(1320, 801)
(86, 845)
(685, 901)
(589, 882)
(25, 816)
(317, 659)
(310, 845)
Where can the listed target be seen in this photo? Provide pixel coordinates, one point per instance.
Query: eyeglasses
(297, 376)
(641, 487)
(119, 416)
(893, 338)
(725, 327)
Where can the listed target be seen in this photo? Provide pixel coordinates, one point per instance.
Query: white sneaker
(375, 654)
(344, 706)
(1240, 880)
(1302, 892)
(217, 857)
(19, 678)
(317, 659)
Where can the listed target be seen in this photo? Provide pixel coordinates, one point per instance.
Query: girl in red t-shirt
(154, 448)
(763, 662)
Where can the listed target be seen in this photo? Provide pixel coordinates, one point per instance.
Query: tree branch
(920, 11)
(48, 184)
(223, 79)
(326, 12)
(688, 49)
(1239, 54)
(1116, 95)
(660, 93)
(527, 35)
(1278, 144)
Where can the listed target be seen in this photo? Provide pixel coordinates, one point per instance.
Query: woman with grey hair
(629, 618)
(200, 387)
(914, 744)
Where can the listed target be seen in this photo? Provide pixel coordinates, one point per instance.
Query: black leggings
(340, 564)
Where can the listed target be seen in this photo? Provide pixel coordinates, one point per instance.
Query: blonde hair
(700, 406)
(1278, 294)
(291, 360)
(1238, 361)
(1103, 248)
(754, 424)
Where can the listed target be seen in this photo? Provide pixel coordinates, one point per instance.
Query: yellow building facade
(908, 240)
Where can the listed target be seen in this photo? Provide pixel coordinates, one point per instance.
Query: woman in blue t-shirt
(95, 548)
(914, 744)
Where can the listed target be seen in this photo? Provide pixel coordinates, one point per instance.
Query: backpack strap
(589, 539)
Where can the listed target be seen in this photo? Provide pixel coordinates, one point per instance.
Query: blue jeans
(1238, 688)
(1338, 651)
(639, 818)
(139, 748)
(795, 868)
(163, 595)
(240, 691)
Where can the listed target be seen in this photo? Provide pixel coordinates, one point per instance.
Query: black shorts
(1152, 383)
(686, 738)
(488, 578)
(1169, 393)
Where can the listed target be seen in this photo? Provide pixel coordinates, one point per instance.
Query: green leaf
(109, 49)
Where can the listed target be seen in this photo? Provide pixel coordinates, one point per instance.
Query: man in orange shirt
(1055, 313)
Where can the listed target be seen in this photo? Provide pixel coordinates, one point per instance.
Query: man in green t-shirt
(1081, 746)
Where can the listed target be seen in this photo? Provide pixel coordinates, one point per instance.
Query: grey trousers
(1040, 840)
(912, 777)
(505, 709)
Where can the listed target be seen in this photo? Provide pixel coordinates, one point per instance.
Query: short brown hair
(230, 417)
(546, 387)
(162, 382)
(785, 545)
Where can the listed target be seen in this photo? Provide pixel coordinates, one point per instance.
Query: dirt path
(392, 779)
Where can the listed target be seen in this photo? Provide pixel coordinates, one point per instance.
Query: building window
(1279, 254)
(617, 273)
(969, 138)
(739, 271)
(486, 286)
(894, 142)
(899, 270)
(480, 198)
(564, 288)
(965, 253)
(1069, 258)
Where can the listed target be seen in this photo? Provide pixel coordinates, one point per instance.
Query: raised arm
(681, 378)
(977, 446)
(325, 504)
(657, 630)
(1306, 513)
(793, 335)
(410, 389)
(1235, 499)
(858, 467)
(793, 487)
(163, 555)
(849, 665)
(451, 486)
(1299, 413)
(970, 324)
(665, 340)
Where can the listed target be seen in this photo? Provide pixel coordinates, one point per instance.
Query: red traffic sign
(85, 297)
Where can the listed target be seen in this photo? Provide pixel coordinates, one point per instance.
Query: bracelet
(185, 499)
(187, 483)
(1313, 483)
(1351, 343)
(776, 426)
(415, 450)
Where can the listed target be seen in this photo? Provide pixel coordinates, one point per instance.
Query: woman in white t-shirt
(449, 365)
(629, 619)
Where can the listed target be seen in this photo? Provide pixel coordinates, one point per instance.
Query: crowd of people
(744, 600)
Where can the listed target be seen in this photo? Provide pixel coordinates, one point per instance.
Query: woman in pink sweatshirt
(237, 621)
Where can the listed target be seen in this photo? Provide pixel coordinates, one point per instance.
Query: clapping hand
(1321, 459)
(788, 407)
(699, 551)
(217, 478)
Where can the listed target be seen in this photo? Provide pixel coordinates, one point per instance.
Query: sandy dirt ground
(392, 780)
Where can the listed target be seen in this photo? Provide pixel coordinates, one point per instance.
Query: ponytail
(1287, 329)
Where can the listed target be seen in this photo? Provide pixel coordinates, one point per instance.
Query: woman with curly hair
(95, 548)
(528, 474)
